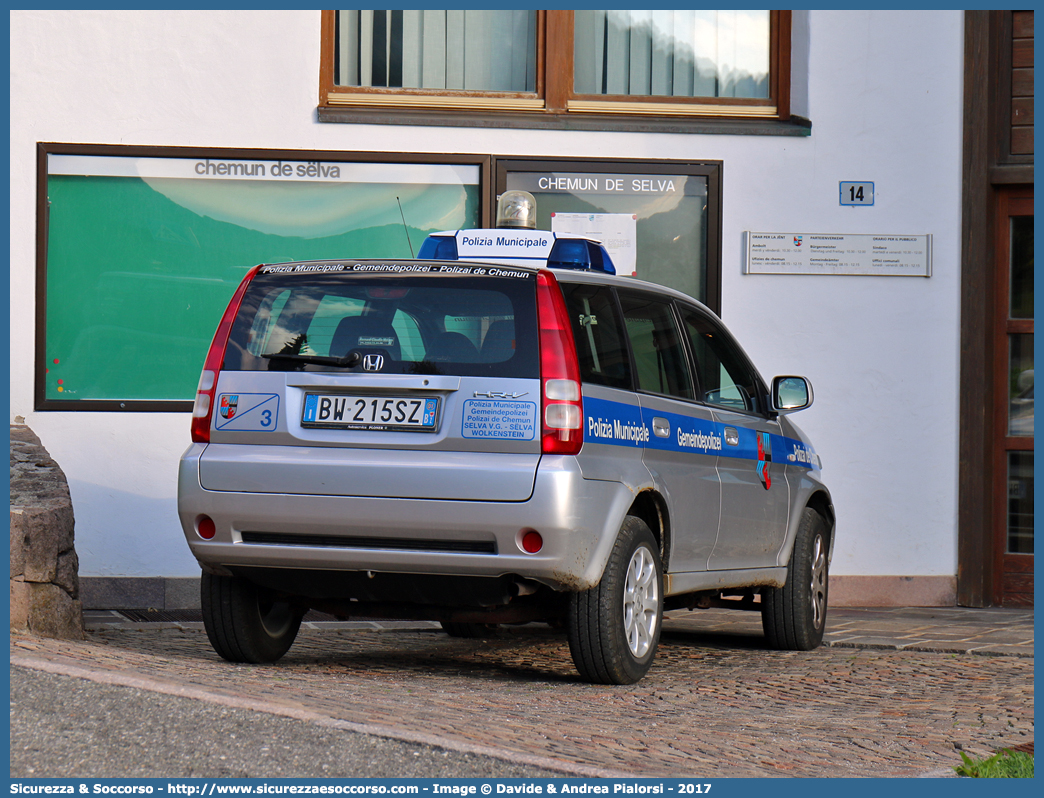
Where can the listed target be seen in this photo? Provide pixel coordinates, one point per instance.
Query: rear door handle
(731, 436)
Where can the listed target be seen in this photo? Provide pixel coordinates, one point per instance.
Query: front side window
(725, 376)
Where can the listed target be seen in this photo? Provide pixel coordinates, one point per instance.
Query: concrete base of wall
(893, 591)
(139, 593)
(182, 593)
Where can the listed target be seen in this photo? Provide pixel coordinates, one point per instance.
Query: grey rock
(46, 533)
(44, 566)
(54, 613)
(67, 573)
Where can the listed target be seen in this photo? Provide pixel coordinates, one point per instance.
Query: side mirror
(790, 394)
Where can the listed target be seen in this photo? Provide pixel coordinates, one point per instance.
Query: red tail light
(562, 430)
(203, 409)
(532, 541)
(205, 527)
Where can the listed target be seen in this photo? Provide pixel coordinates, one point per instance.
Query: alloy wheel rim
(641, 602)
(819, 582)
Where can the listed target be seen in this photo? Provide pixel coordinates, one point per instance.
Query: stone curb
(270, 707)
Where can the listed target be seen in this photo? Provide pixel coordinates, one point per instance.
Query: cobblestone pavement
(715, 703)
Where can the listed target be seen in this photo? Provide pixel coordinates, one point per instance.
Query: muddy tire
(614, 628)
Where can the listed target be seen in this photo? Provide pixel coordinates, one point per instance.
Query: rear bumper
(577, 518)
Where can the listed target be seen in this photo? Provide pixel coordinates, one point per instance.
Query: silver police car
(499, 431)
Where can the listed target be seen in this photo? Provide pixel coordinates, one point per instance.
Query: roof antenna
(407, 229)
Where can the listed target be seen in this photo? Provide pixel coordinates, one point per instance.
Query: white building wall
(883, 91)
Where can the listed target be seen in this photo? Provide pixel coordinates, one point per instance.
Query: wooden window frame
(775, 106)
(1012, 572)
(554, 105)
(332, 95)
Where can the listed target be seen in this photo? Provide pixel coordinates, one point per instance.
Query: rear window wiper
(348, 361)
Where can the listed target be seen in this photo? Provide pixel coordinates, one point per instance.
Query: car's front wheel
(614, 628)
(794, 616)
(244, 622)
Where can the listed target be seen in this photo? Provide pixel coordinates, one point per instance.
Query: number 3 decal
(249, 412)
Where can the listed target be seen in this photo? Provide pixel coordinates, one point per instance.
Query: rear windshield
(393, 324)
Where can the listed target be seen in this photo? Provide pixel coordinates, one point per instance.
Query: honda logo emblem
(373, 362)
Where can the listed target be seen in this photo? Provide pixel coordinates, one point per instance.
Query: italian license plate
(370, 412)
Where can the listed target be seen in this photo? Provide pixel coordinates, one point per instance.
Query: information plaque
(833, 253)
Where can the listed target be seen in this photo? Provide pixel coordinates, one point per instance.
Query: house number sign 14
(853, 193)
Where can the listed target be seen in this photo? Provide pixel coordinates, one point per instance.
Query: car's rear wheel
(246, 623)
(469, 630)
(614, 628)
(794, 616)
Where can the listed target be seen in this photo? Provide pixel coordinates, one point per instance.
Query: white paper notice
(618, 233)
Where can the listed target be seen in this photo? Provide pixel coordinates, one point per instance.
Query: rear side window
(467, 326)
(659, 355)
(599, 336)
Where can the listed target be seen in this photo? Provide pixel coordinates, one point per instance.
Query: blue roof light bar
(518, 247)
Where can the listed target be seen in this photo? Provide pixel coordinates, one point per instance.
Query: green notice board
(144, 254)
